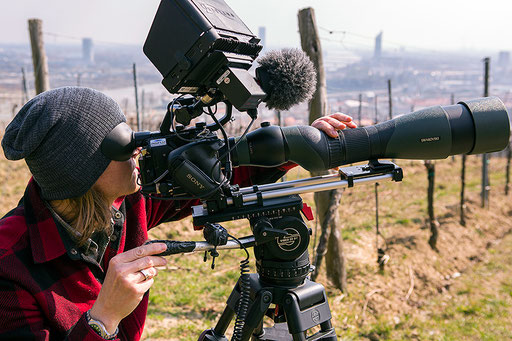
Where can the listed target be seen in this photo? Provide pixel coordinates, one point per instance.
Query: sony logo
(430, 139)
(195, 181)
(210, 9)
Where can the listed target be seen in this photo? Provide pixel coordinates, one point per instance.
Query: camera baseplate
(254, 201)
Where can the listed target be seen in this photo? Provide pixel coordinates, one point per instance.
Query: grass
(188, 296)
(479, 309)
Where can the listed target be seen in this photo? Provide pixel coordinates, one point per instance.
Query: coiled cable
(245, 291)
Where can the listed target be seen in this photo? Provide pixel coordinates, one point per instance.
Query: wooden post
(359, 112)
(281, 124)
(485, 169)
(24, 85)
(376, 120)
(14, 110)
(310, 42)
(139, 123)
(431, 175)
(330, 244)
(507, 182)
(462, 189)
(278, 116)
(462, 205)
(452, 102)
(142, 109)
(41, 74)
(390, 100)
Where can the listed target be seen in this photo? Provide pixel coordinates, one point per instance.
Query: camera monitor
(197, 44)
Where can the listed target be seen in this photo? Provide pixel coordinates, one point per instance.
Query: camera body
(180, 164)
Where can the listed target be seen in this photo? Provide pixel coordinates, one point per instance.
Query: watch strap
(100, 328)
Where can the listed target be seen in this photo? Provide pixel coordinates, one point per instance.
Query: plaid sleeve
(251, 175)
(161, 211)
(22, 319)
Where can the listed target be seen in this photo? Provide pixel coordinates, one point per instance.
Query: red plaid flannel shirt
(46, 289)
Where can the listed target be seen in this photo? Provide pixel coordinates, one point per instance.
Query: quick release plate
(373, 168)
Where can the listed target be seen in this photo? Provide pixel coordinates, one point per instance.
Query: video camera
(204, 52)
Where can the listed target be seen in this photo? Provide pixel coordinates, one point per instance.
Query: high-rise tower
(87, 51)
(377, 53)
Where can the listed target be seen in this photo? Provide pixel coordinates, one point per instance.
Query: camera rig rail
(271, 200)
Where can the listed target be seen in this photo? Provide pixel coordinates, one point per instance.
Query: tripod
(300, 309)
(280, 289)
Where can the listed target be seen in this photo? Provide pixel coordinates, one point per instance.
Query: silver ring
(146, 274)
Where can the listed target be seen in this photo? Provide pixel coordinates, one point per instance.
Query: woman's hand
(331, 123)
(125, 284)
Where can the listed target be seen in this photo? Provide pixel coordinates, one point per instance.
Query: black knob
(265, 124)
(200, 125)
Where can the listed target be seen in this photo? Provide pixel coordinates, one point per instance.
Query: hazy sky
(433, 24)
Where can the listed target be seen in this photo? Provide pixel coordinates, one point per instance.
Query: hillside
(463, 291)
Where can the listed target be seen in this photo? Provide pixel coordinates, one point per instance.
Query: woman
(73, 264)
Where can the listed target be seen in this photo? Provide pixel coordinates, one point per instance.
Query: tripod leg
(299, 337)
(224, 321)
(306, 307)
(327, 328)
(254, 319)
(218, 333)
(257, 309)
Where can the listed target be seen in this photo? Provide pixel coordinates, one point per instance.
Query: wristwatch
(100, 328)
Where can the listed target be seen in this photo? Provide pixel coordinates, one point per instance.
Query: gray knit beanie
(59, 134)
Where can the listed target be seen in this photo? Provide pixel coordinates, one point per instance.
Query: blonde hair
(87, 214)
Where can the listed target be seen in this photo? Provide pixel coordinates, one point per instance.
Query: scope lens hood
(492, 124)
(119, 144)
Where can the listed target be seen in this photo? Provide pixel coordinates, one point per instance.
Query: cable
(235, 145)
(173, 127)
(245, 292)
(58, 35)
(373, 39)
(203, 196)
(228, 166)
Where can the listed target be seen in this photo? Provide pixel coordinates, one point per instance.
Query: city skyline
(352, 25)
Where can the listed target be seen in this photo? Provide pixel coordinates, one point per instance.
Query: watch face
(96, 328)
(100, 329)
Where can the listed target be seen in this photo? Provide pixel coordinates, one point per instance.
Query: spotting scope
(470, 127)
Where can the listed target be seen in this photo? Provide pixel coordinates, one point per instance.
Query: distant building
(87, 51)
(503, 59)
(377, 53)
(262, 31)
